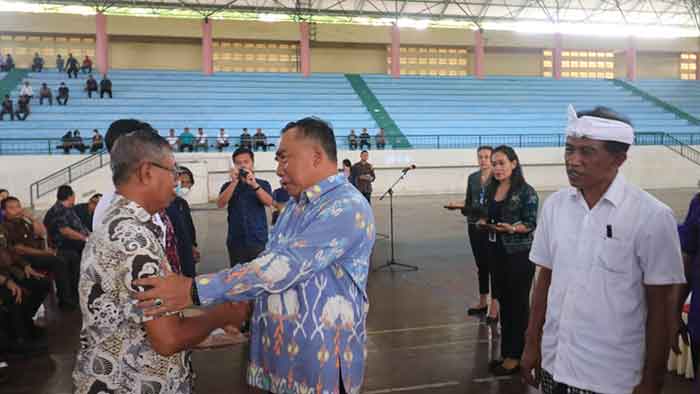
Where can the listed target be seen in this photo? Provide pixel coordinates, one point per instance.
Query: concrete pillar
(207, 48)
(305, 46)
(631, 59)
(395, 51)
(479, 54)
(101, 43)
(556, 56)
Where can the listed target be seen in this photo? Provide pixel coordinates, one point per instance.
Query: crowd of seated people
(73, 140)
(188, 142)
(7, 63)
(364, 140)
(36, 257)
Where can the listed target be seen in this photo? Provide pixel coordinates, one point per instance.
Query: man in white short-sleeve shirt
(609, 257)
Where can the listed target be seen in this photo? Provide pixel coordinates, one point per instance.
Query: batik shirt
(308, 325)
(115, 355)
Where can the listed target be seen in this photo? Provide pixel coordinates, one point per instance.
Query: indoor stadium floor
(420, 337)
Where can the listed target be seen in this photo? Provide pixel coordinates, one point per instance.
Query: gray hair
(132, 150)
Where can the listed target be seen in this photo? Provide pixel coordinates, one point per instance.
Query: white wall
(438, 172)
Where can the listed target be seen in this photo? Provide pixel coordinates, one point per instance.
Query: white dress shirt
(223, 139)
(172, 140)
(26, 91)
(594, 331)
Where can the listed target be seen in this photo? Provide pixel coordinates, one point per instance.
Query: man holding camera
(246, 197)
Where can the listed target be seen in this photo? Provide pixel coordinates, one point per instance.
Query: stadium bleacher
(171, 99)
(682, 94)
(508, 105)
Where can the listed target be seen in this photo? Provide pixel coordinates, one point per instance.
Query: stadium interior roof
(660, 15)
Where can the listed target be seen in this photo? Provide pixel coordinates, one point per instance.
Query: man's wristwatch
(195, 294)
(257, 188)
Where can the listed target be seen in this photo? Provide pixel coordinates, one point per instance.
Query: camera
(243, 174)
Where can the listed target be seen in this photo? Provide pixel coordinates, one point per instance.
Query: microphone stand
(392, 261)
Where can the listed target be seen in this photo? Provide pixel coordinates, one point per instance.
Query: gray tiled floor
(420, 339)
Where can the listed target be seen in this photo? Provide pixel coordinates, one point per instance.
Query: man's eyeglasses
(175, 171)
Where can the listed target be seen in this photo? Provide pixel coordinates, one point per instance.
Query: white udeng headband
(598, 128)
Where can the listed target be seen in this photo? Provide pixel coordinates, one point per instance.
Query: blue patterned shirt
(309, 286)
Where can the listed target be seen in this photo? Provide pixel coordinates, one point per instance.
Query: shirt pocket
(616, 256)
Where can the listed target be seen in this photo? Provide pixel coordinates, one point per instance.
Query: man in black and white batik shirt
(121, 350)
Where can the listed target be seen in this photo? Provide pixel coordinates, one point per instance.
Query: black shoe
(4, 372)
(491, 320)
(493, 364)
(502, 371)
(477, 311)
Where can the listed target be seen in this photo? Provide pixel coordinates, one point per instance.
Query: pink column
(305, 46)
(207, 52)
(479, 54)
(556, 56)
(101, 43)
(697, 66)
(395, 51)
(631, 56)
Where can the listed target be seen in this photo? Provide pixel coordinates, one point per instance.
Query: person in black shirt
(22, 108)
(352, 140)
(72, 66)
(246, 197)
(65, 229)
(181, 217)
(7, 108)
(62, 97)
(97, 142)
(87, 209)
(246, 141)
(78, 142)
(364, 139)
(105, 86)
(37, 63)
(91, 85)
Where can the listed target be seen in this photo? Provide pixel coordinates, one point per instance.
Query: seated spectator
(380, 139)
(7, 108)
(64, 227)
(78, 142)
(173, 140)
(45, 93)
(364, 140)
(63, 93)
(352, 140)
(24, 291)
(86, 210)
(246, 141)
(201, 140)
(24, 239)
(22, 108)
(2, 62)
(67, 142)
(60, 64)
(105, 86)
(37, 63)
(87, 65)
(222, 140)
(72, 68)
(186, 140)
(90, 85)
(260, 140)
(97, 142)
(9, 63)
(27, 90)
(280, 197)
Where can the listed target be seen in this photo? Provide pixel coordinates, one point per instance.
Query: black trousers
(89, 91)
(239, 254)
(20, 319)
(103, 91)
(41, 100)
(66, 271)
(73, 72)
(22, 115)
(479, 243)
(512, 276)
(62, 100)
(3, 112)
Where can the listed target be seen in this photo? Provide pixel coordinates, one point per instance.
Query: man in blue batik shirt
(309, 284)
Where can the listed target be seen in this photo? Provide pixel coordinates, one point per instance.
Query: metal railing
(43, 146)
(681, 148)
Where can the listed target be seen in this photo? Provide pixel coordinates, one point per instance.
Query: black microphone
(409, 168)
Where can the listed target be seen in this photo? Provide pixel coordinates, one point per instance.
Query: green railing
(658, 102)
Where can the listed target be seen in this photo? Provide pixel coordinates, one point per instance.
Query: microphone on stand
(409, 168)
